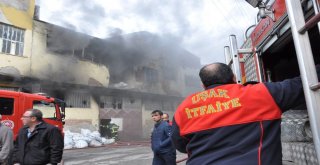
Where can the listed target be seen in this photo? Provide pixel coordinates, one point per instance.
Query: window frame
(11, 40)
(78, 100)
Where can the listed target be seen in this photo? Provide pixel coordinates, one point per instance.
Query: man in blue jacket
(164, 152)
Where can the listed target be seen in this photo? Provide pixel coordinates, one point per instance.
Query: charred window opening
(77, 100)
(139, 75)
(79, 53)
(169, 71)
(132, 100)
(63, 50)
(6, 106)
(117, 103)
(111, 102)
(151, 75)
(63, 41)
(105, 102)
(11, 40)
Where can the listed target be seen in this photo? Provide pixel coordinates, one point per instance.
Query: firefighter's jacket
(234, 124)
(114, 128)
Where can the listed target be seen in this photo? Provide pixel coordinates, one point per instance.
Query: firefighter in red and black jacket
(233, 124)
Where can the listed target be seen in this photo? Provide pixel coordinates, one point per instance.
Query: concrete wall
(135, 116)
(63, 68)
(88, 118)
(36, 61)
(128, 117)
(39, 63)
(18, 66)
(19, 14)
(150, 105)
(170, 82)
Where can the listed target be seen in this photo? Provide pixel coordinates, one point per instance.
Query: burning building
(122, 78)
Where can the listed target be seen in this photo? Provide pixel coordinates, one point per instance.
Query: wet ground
(124, 153)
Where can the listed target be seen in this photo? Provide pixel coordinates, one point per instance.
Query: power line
(223, 14)
(242, 10)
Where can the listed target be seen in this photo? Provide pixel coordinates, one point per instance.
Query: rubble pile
(84, 139)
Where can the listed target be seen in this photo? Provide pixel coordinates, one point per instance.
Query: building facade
(27, 65)
(122, 78)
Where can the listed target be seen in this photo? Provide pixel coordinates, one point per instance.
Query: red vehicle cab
(14, 104)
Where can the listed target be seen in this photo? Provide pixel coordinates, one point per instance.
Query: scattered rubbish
(84, 139)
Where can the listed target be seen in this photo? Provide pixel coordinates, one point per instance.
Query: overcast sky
(201, 27)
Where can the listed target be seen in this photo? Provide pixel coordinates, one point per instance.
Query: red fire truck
(284, 43)
(14, 104)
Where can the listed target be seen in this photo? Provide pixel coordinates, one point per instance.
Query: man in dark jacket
(233, 124)
(38, 143)
(164, 152)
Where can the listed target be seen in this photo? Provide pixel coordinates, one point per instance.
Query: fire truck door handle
(315, 87)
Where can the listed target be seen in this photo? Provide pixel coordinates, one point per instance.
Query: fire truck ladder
(232, 57)
(307, 68)
(235, 58)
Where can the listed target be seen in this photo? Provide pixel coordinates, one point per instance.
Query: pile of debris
(84, 139)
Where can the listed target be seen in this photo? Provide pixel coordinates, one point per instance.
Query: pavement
(121, 153)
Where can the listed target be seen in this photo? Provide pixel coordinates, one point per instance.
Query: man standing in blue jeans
(164, 152)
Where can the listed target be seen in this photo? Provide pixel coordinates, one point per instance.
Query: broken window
(117, 103)
(79, 53)
(151, 75)
(105, 102)
(111, 102)
(11, 40)
(6, 106)
(61, 41)
(78, 100)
